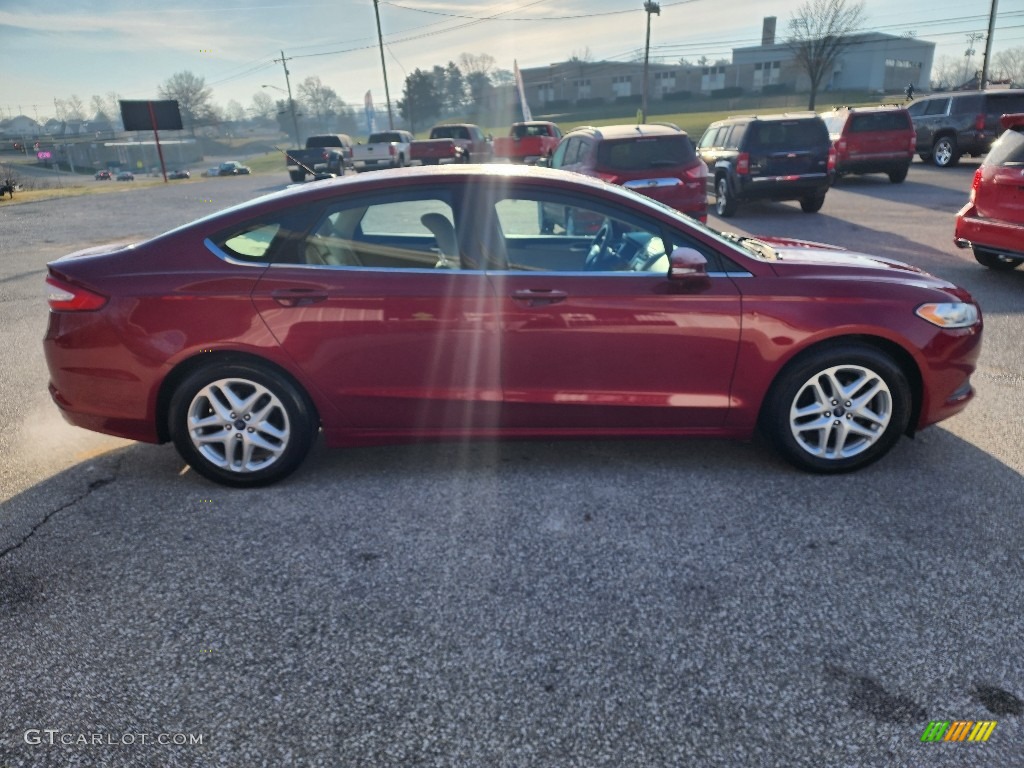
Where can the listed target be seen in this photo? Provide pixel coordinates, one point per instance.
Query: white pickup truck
(387, 149)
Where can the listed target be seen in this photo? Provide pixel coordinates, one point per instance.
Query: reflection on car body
(427, 303)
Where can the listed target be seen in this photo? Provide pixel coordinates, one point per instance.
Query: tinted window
(1005, 103)
(964, 105)
(917, 108)
(786, 134)
(734, 137)
(380, 138)
(1009, 150)
(936, 107)
(879, 121)
(643, 153)
(450, 132)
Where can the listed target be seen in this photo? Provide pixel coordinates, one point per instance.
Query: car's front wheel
(995, 260)
(945, 153)
(837, 409)
(241, 424)
(725, 205)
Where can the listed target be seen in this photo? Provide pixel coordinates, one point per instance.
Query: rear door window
(645, 152)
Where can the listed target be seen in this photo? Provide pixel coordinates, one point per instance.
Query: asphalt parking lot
(619, 603)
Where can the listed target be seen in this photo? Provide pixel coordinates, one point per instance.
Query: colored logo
(958, 730)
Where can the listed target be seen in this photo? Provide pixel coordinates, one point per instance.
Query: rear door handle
(298, 297)
(536, 297)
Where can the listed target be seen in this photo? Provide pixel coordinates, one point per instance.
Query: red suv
(872, 140)
(992, 222)
(657, 160)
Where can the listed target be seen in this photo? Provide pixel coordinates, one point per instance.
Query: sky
(85, 47)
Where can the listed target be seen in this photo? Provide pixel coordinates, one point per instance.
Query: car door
(607, 343)
(376, 316)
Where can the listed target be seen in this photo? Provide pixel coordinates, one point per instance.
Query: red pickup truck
(462, 143)
(528, 142)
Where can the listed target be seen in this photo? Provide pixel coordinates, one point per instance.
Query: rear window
(519, 131)
(643, 153)
(880, 121)
(449, 132)
(1005, 103)
(327, 141)
(787, 134)
(382, 138)
(965, 105)
(1009, 150)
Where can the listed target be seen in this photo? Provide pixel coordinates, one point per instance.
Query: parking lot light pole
(651, 7)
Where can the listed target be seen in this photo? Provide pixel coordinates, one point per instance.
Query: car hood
(802, 258)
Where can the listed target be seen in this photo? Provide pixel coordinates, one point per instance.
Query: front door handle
(298, 297)
(537, 297)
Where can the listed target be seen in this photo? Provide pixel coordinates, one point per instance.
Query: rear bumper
(991, 234)
(782, 187)
(874, 164)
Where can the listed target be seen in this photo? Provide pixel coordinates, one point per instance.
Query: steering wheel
(602, 256)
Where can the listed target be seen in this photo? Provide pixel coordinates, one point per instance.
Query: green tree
(419, 102)
(193, 97)
(454, 88)
(819, 31)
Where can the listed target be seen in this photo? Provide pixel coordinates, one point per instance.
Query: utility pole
(384, 69)
(291, 101)
(972, 38)
(650, 7)
(988, 46)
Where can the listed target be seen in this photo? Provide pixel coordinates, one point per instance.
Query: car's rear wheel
(945, 153)
(837, 409)
(898, 176)
(995, 260)
(812, 203)
(725, 205)
(297, 176)
(241, 424)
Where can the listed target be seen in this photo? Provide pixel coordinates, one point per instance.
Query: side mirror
(690, 266)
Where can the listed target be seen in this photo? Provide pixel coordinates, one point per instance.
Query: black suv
(958, 123)
(768, 157)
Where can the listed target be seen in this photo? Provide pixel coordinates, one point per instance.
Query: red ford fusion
(428, 303)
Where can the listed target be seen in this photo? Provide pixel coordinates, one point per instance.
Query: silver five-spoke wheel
(241, 423)
(238, 425)
(840, 412)
(838, 407)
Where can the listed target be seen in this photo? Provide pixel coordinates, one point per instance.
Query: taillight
(698, 172)
(65, 297)
(975, 184)
(743, 163)
(831, 158)
(979, 122)
(841, 146)
(913, 143)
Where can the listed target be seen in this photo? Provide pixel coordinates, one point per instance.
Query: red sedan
(427, 303)
(992, 222)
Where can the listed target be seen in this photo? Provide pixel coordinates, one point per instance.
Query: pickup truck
(389, 149)
(527, 142)
(461, 143)
(326, 154)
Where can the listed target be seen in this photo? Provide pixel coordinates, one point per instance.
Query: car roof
(870, 108)
(606, 132)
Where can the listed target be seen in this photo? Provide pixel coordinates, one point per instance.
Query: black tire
(841, 433)
(945, 152)
(725, 204)
(812, 204)
(925, 157)
(281, 437)
(995, 260)
(897, 177)
(297, 176)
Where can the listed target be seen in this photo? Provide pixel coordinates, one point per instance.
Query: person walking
(909, 91)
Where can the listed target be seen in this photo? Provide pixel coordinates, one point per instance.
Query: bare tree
(193, 98)
(473, 63)
(320, 100)
(70, 109)
(946, 73)
(819, 31)
(1009, 64)
(263, 106)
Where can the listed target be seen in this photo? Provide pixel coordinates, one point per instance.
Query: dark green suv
(768, 157)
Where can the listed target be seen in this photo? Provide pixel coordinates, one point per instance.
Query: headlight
(953, 314)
